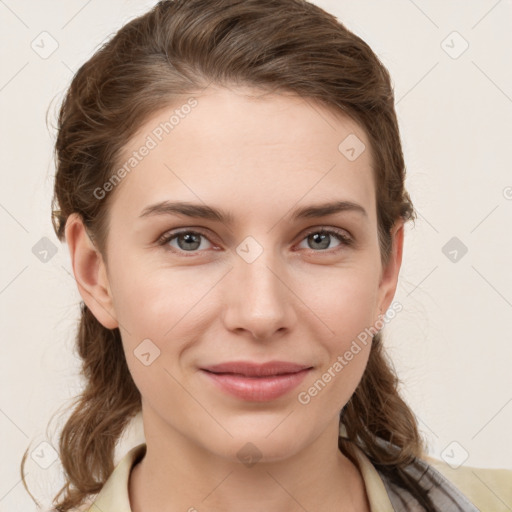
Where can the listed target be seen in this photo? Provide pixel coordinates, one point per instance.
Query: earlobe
(90, 272)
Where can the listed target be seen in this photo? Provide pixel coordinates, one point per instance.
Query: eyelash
(344, 239)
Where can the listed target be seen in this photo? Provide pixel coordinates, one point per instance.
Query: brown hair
(176, 49)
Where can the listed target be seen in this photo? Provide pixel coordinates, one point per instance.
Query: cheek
(345, 304)
(344, 300)
(346, 308)
(151, 300)
(162, 312)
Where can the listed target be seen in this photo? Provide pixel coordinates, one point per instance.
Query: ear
(90, 272)
(389, 275)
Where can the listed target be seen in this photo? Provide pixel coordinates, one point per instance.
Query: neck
(177, 475)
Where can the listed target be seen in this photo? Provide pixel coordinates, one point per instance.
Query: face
(269, 277)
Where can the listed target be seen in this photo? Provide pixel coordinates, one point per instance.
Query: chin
(250, 449)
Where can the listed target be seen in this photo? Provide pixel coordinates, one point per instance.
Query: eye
(321, 239)
(187, 241)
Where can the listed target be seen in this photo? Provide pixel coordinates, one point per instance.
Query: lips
(256, 382)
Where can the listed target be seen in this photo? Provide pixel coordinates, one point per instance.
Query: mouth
(256, 382)
(251, 369)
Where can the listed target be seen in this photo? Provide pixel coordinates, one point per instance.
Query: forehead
(237, 146)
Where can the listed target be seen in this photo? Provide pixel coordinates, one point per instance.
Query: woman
(230, 184)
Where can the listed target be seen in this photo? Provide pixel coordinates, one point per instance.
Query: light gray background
(451, 345)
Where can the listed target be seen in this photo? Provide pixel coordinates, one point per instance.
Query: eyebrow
(215, 214)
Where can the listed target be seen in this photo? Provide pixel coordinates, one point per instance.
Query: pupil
(189, 239)
(321, 237)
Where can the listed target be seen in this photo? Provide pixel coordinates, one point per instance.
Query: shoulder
(487, 488)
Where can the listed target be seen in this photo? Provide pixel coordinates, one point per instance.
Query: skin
(258, 158)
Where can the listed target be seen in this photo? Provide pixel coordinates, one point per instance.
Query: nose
(260, 301)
